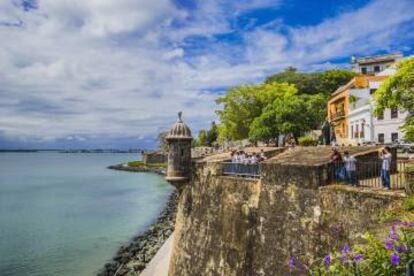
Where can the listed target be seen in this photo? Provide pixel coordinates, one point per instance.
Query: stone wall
(238, 226)
(213, 225)
(154, 157)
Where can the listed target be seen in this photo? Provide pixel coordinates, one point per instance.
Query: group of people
(345, 167)
(247, 158)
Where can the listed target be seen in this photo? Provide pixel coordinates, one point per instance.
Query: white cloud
(120, 68)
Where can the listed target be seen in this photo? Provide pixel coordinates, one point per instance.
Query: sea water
(67, 214)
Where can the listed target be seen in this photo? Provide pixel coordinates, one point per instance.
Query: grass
(140, 164)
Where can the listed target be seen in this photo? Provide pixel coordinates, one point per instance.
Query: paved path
(158, 266)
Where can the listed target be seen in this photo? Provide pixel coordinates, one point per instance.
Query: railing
(241, 169)
(370, 174)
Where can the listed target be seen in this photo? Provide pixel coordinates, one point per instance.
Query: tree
(202, 137)
(287, 114)
(242, 104)
(315, 109)
(162, 143)
(315, 82)
(398, 92)
(212, 135)
(330, 80)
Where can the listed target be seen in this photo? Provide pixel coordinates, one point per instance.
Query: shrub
(375, 257)
(409, 203)
(139, 164)
(307, 141)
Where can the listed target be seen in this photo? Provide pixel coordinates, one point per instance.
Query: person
(386, 157)
(350, 169)
(234, 156)
(336, 159)
(253, 159)
(262, 155)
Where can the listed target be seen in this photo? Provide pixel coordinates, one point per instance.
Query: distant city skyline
(114, 73)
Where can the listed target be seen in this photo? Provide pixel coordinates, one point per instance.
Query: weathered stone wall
(238, 226)
(154, 157)
(298, 218)
(213, 225)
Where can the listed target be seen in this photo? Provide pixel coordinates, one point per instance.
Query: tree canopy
(398, 92)
(264, 111)
(289, 102)
(311, 83)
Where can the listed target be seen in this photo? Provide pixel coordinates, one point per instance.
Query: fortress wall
(238, 226)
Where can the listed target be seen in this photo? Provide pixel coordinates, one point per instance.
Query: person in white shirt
(350, 169)
(262, 155)
(386, 156)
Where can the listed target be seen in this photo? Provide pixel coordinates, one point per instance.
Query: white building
(364, 127)
(374, 64)
(360, 116)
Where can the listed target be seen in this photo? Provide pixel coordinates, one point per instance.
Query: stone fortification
(240, 226)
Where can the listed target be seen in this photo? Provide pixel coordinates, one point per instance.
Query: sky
(114, 73)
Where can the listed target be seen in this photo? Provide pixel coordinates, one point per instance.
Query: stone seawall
(239, 226)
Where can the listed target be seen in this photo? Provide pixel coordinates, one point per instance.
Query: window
(363, 70)
(377, 68)
(381, 116)
(357, 131)
(352, 132)
(394, 113)
(394, 137)
(372, 91)
(381, 138)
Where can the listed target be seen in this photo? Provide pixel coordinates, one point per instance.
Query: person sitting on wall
(350, 169)
(336, 160)
(386, 156)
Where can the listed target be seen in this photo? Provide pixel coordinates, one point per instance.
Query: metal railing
(370, 174)
(241, 169)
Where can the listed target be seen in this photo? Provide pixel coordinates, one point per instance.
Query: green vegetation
(408, 204)
(289, 102)
(315, 82)
(307, 141)
(375, 257)
(207, 138)
(398, 92)
(162, 143)
(141, 164)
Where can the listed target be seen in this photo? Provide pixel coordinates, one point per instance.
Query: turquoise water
(66, 214)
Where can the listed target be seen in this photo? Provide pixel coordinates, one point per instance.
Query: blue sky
(113, 73)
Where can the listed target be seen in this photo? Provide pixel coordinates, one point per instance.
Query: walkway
(159, 264)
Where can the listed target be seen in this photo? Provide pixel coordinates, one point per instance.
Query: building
(353, 98)
(375, 64)
(351, 111)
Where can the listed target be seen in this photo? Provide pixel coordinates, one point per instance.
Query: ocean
(67, 214)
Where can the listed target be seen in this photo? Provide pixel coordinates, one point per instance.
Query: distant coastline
(74, 150)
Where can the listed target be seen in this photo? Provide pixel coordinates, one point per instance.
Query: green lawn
(139, 164)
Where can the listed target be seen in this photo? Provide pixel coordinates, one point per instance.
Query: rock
(142, 248)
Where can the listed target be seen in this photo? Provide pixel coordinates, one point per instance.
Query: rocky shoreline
(131, 259)
(125, 167)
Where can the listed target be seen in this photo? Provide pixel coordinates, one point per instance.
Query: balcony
(338, 116)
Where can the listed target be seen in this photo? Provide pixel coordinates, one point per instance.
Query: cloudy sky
(113, 73)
